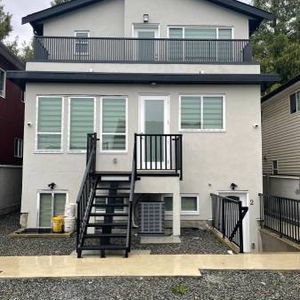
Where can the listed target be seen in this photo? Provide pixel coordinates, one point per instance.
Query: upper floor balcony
(141, 50)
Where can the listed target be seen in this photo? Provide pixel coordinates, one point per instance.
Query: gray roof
(10, 57)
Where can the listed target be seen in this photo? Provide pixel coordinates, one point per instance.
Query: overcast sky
(21, 8)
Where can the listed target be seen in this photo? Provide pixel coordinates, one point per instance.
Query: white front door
(154, 123)
(244, 197)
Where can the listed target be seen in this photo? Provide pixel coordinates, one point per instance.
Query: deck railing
(133, 50)
(159, 154)
(281, 215)
(227, 218)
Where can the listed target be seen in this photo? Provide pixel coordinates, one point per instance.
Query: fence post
(241, 227)
(280, 216)
(223, 217)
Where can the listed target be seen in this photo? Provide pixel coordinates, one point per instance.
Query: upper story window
(275, 169)
(202, 113)
(203, 44)
(82, 42)
(295, 102)
(18, 148)
(2, 83)
(49, 124)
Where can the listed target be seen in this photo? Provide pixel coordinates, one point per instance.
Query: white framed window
(50, 204)
(275, 168)
(49, 124)
(202, 113)
(2, 83)
(82, 42)
(18, 148)
(114, 124)
(295, 102)
(81, 122)
(189, 204)
(198, 45)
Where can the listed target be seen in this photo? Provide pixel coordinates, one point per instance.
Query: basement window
(189, 204)
(51, 204)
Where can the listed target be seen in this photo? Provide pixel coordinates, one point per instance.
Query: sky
(21, 8)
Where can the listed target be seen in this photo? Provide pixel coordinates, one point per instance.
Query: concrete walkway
(141, 265)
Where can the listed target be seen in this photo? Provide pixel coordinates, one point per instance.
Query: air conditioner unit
(151, 216)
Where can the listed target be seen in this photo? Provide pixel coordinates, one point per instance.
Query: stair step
(114, 197)
(104, 247)
(108, 215)
(108, 235)
(113, 188)
(100, 225)
(109, 205)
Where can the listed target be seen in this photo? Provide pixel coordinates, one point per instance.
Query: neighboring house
(178, 72)
(11, 133)
(281, 140)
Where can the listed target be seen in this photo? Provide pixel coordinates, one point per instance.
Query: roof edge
(11, 57)
(281, 88)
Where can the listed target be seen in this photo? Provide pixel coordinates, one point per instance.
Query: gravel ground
(193, 241)
(30, 246)
(214, 285)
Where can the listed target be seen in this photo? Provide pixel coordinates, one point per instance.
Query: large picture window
(114, 124)
(51, 204)
(82, 121)
(202, 113)
(49, 124)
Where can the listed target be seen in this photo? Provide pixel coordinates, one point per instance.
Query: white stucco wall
(211, 161)
(10, 188)
(115, 18)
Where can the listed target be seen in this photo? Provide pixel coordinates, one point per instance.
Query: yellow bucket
(58, 224)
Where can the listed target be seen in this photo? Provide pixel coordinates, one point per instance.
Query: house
(11, 133)
(173, 94)
(281, 144)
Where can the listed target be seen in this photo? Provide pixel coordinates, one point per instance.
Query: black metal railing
(159, 153)
(281, 215)
(87, 189)
(136, 50)
(227, 218)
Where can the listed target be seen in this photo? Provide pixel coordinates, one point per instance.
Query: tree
(277, 43)
(5, 22)
(57, 2)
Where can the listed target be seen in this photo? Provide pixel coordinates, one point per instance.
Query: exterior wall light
(146, 18)
(233, 186)
(51, 185)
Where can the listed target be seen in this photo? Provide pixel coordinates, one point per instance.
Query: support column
(176, 210)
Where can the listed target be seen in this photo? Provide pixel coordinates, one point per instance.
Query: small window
(49, 124)
(202, 113)
(2, 83)
(82, 42)
(82, 110)
(18, 148)
(51, 204)
(189, 204)
(295, 102)
(114, 124)
(275, 167)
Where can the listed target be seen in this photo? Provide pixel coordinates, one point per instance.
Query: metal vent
(151, 217)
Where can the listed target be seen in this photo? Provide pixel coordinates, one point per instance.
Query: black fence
(160, 153)
(133, 50)
(281, 215)
(227, 218)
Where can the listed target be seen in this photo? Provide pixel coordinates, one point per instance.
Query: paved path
(141, 265)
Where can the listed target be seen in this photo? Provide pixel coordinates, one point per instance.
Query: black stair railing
(159, 154)
(281, 215)
(86, 191)
(227, 218)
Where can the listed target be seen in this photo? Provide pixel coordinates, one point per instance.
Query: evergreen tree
(277, 43)
(5, 22)
(56, 2)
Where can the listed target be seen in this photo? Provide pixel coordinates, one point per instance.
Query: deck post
(176, 211)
